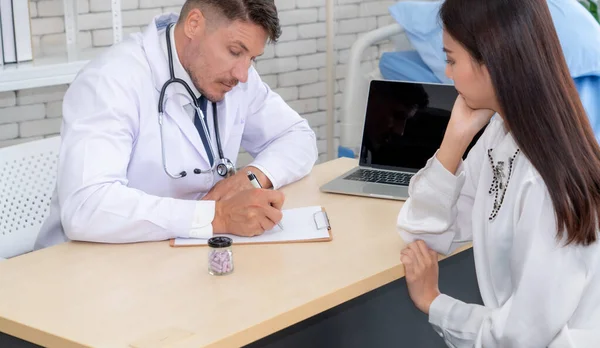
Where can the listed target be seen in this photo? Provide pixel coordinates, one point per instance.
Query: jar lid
(220, 242)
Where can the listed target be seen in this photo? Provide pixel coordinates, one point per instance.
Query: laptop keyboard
(379, 176)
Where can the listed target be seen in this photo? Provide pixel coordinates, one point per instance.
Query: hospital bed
(578, 31)
(357, 88)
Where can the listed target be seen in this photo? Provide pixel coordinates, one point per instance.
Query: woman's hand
(466, 122)
(462, 128)
(421, 272)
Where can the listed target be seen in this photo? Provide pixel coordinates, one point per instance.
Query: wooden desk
(152, 295)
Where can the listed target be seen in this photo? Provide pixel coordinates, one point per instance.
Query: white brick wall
(294, 67)
(8, 99)
(39, 127)
(9, 131)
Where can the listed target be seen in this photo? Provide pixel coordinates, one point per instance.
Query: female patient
(528, 194)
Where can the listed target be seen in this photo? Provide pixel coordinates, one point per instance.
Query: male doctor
(127, 174)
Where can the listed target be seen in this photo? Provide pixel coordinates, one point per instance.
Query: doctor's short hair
(260, 12)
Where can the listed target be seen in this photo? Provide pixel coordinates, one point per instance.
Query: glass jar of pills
(220, 256)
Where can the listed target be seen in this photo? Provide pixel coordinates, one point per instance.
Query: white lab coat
(111, 184)
(536, 292)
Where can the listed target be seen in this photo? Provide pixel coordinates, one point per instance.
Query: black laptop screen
(405, 124)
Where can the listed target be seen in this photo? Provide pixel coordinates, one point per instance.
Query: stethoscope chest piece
(225, 168)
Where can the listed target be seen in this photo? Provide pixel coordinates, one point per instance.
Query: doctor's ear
(195, 23)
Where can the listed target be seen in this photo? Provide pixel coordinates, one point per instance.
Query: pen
(256, 184)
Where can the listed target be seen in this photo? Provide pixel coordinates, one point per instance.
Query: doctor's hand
(421, 272)
(239, 182)
(248, 213)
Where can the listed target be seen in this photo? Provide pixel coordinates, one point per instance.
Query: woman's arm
(442, 194)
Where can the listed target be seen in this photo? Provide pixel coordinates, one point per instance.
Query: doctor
(152, 129)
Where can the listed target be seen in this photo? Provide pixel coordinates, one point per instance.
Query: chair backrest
(27, 179)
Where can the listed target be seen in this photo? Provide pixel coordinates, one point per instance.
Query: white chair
(27, 178)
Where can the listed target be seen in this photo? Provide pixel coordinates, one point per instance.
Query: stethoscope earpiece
(225, 167)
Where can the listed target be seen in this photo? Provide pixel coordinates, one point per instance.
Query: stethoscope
(224, 166)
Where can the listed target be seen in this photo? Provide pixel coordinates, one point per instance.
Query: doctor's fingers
(273, 214)
(274, 198)
(252, 227)
(266, 224)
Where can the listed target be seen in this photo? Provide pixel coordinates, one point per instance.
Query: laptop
(404, 126)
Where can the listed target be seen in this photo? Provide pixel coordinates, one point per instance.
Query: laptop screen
(405, 124)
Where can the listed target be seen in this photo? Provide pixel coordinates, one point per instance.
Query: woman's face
(471, 79)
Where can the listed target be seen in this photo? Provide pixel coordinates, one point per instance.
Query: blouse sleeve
(438, 210)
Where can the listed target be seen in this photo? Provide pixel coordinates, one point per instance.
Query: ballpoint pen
(256, 184)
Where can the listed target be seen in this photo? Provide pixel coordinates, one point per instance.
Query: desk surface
(152, 295)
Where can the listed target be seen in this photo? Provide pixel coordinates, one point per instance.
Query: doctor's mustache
(231, 83)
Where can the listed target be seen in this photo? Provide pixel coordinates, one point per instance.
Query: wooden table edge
(36, 336)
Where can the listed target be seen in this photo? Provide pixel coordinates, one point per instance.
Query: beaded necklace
(499, 187)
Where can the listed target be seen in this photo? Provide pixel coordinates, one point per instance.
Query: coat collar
(158, 64)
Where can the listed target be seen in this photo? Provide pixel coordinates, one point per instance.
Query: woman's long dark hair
(517, 42)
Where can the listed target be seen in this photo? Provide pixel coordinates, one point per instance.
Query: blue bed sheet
(578, 32)
(405, 66)
(408, 66)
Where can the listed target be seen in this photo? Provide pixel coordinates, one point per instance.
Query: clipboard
(320, 219)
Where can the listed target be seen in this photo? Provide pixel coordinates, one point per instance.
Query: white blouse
(537, 292)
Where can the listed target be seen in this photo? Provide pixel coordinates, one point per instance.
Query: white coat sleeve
(100, 126)
(438, 210)
(549, 280)
(282, 143)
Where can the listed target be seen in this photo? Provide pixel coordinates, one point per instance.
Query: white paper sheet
(299, 224)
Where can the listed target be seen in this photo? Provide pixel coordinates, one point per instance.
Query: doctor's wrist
(218, 223)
